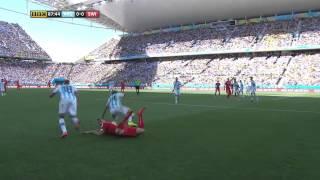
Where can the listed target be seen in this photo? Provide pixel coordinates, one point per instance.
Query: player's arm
(54, 92)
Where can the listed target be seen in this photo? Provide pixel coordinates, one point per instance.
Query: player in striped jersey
(67, 105)
(2, 87)
(176, 90)
(114, 104)
(253, 89)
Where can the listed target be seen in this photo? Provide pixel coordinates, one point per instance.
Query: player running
(67, 105)
(227, 87)
(108, 127)
(114, 104)
(176, 90)
(217, 85)
(253, 89)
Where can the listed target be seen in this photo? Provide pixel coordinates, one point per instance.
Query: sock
(75, 121)
(140, 122)
(176, 99)
(62, 125)
(131, 117)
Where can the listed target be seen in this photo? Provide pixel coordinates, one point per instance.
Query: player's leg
(177, 96)
(124, 122)
(219, 91)
(72, 110)
(124, 111)
(140, 118)
(62, 124)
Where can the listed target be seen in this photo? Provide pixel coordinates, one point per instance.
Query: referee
(137, 85)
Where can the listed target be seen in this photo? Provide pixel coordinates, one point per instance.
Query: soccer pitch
(204, 137)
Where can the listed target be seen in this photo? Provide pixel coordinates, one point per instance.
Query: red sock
(140, 122)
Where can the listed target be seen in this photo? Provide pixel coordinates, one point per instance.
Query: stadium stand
(271, 69)
(256, 36)
(16, 43)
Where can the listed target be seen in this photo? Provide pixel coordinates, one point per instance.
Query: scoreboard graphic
(64, 14)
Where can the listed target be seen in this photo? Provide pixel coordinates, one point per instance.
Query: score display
(64, 14)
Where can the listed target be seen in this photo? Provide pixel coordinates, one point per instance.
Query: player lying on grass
(116, 108)
(108, 127)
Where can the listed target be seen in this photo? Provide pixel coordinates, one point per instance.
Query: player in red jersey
(112, 128)
(122, 84)
(18, 85)
(227, 87)
(217, 88)
(49, 84)
(5, 82)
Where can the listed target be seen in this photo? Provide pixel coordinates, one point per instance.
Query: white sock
(75, 120)
(176, 99)
(62, 125)
(131, 117)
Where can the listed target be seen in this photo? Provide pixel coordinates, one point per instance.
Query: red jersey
(109, 127)
(228, 85)
(122, 85)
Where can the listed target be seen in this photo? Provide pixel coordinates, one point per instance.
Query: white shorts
(177, 92)
(68, 107)
(253, 90)
(122, 110)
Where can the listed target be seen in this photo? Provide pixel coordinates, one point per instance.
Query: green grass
(205, 137)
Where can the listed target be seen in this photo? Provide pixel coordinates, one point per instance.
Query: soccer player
(253, 89)
(114, 104)
(111, 85)
(241, 88)
(235, 87)
(227, 87)
(176, 90)
(5, 82)
(122, 86)
(217, 88)
(112, 128)
(67, 105)
(2, 89)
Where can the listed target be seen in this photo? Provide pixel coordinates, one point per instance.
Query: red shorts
(108, 127)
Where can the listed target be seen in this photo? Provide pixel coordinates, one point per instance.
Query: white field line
(226, 107)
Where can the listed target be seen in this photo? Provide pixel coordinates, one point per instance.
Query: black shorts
(137, 87)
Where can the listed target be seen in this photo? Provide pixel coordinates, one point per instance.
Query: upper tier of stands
(16, 43)
(266, 36)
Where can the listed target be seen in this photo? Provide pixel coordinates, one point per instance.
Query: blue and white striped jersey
(66, 92)
(177, 85)
(1, 86)
(115, 100)
(253, 84)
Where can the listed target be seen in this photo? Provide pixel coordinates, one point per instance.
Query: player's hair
(114, 91)
(66, 81)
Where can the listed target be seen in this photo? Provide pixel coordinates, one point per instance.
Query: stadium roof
(143, 15)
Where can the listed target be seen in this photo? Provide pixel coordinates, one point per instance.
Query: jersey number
(67, 89)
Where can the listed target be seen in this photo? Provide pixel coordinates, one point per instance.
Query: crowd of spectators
(268, 69)
(257, 36)
(15, 42)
